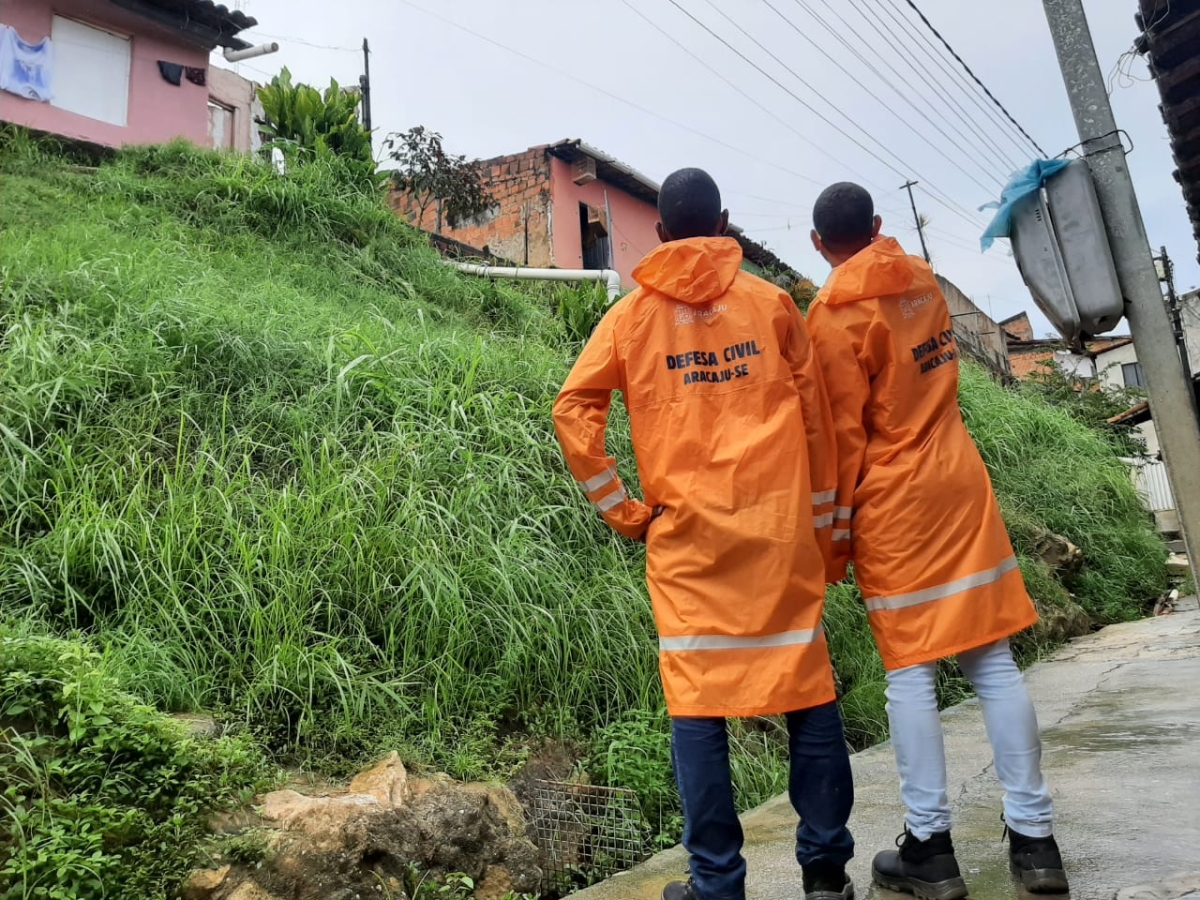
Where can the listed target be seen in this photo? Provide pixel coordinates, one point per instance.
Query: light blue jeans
(1012, 729)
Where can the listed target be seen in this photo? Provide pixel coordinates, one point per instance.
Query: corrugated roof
(1171, 41)
(622, 175)
(202, 19)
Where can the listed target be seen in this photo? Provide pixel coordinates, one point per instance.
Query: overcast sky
(537, 71)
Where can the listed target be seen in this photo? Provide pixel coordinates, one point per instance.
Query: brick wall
(974, 329)
(517, 227)
(1018, 327)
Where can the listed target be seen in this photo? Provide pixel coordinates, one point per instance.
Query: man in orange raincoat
(734, 444)
(916, 514)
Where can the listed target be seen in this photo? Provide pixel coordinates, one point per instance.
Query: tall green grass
(278, 461)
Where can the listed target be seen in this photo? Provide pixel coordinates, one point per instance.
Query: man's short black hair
(689, 205)
(844, 217)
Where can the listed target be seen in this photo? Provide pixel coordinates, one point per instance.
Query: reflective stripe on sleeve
(942, 591)
(841, 534)
(824, 497)
(598, 481)
(607, 502)
(823, 521)
(738, 642)
(843, 512)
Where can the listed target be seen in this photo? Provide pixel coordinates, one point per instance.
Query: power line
(944, 91)
(746, 94)
(930, 82)
(963, 63)
(296, 40)
(966, 85)
(607, 93)
(907, 124)
(947, 202)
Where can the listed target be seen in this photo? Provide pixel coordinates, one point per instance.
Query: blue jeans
(820, 786)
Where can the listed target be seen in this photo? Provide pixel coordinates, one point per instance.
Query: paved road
(1120, 715)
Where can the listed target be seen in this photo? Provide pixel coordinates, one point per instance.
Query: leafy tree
(430, 175)
(306, 124)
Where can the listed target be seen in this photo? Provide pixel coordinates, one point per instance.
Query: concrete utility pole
(364, 82)
(1170, 394)
(917, 219)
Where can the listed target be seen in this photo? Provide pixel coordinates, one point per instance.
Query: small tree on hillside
(306, 124)
(430, 175)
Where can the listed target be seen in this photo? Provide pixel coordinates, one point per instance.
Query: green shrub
(102, 796)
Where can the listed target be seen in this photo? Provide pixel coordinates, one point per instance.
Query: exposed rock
(1174, 888)
(354, 842)
(1178, 566)
(1059, 553)
(203, 884)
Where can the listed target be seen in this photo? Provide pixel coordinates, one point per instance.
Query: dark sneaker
(827, 881)
(681, 890)
(926, 869)
(1037, 864)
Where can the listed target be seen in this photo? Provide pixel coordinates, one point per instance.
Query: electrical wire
(893, 11)
(944, 200)
(968, 87)
(905, 122)
(296, 40)
(562, 73)
(963, 63)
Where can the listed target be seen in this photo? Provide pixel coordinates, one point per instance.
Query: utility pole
(1168, 278)
(917, 219)
(364, 82)
(1169, 393)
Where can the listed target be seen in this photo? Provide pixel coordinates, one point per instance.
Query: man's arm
(849, 390)
(819, 432)
(581, 419)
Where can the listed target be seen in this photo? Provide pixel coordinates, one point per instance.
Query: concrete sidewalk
(1120, 715)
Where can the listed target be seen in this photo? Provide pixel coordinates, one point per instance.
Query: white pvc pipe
(251, 52)
(610, 277)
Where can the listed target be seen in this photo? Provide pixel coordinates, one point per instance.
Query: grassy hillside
(271, 458)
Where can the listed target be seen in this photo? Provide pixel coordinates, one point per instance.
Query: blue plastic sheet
(1020, 183)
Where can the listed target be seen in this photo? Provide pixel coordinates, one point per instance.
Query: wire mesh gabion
(584, 832)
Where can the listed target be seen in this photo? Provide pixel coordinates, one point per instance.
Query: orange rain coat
(915, 508)
(734, 439)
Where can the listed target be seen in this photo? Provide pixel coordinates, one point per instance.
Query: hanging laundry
(26, 69)
(172, 72)
(196, 75)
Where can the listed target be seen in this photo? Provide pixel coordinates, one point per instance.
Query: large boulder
(375, 834)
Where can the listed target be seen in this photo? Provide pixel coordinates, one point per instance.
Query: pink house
(127, 71)
(570, 206)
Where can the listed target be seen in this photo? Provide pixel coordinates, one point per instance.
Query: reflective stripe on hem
(739, 642)
(598, 481)
(616, 498)
(841, 534)
(824, 497)
(942, 591)
(823, 521)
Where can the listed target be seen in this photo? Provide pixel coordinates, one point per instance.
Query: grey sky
(488, 101)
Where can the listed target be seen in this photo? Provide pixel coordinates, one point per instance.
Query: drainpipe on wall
(610, 277)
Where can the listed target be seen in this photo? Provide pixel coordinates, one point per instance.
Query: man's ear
(878, 225)
(723, 227)
(816, 242)
(662, 233)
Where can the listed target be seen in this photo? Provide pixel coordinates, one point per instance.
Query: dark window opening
(594, 238)
(1132, 372)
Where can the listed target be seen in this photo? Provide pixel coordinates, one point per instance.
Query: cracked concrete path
(1120, 716)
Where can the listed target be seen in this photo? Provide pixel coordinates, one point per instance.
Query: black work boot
(827, 881)
(681, 890)
(926, 869)
(1037, 864)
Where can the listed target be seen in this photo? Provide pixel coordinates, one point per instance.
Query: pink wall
(632, 222)
(158, 111)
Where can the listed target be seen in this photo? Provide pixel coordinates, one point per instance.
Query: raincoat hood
(878, 270)
(696, 270)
